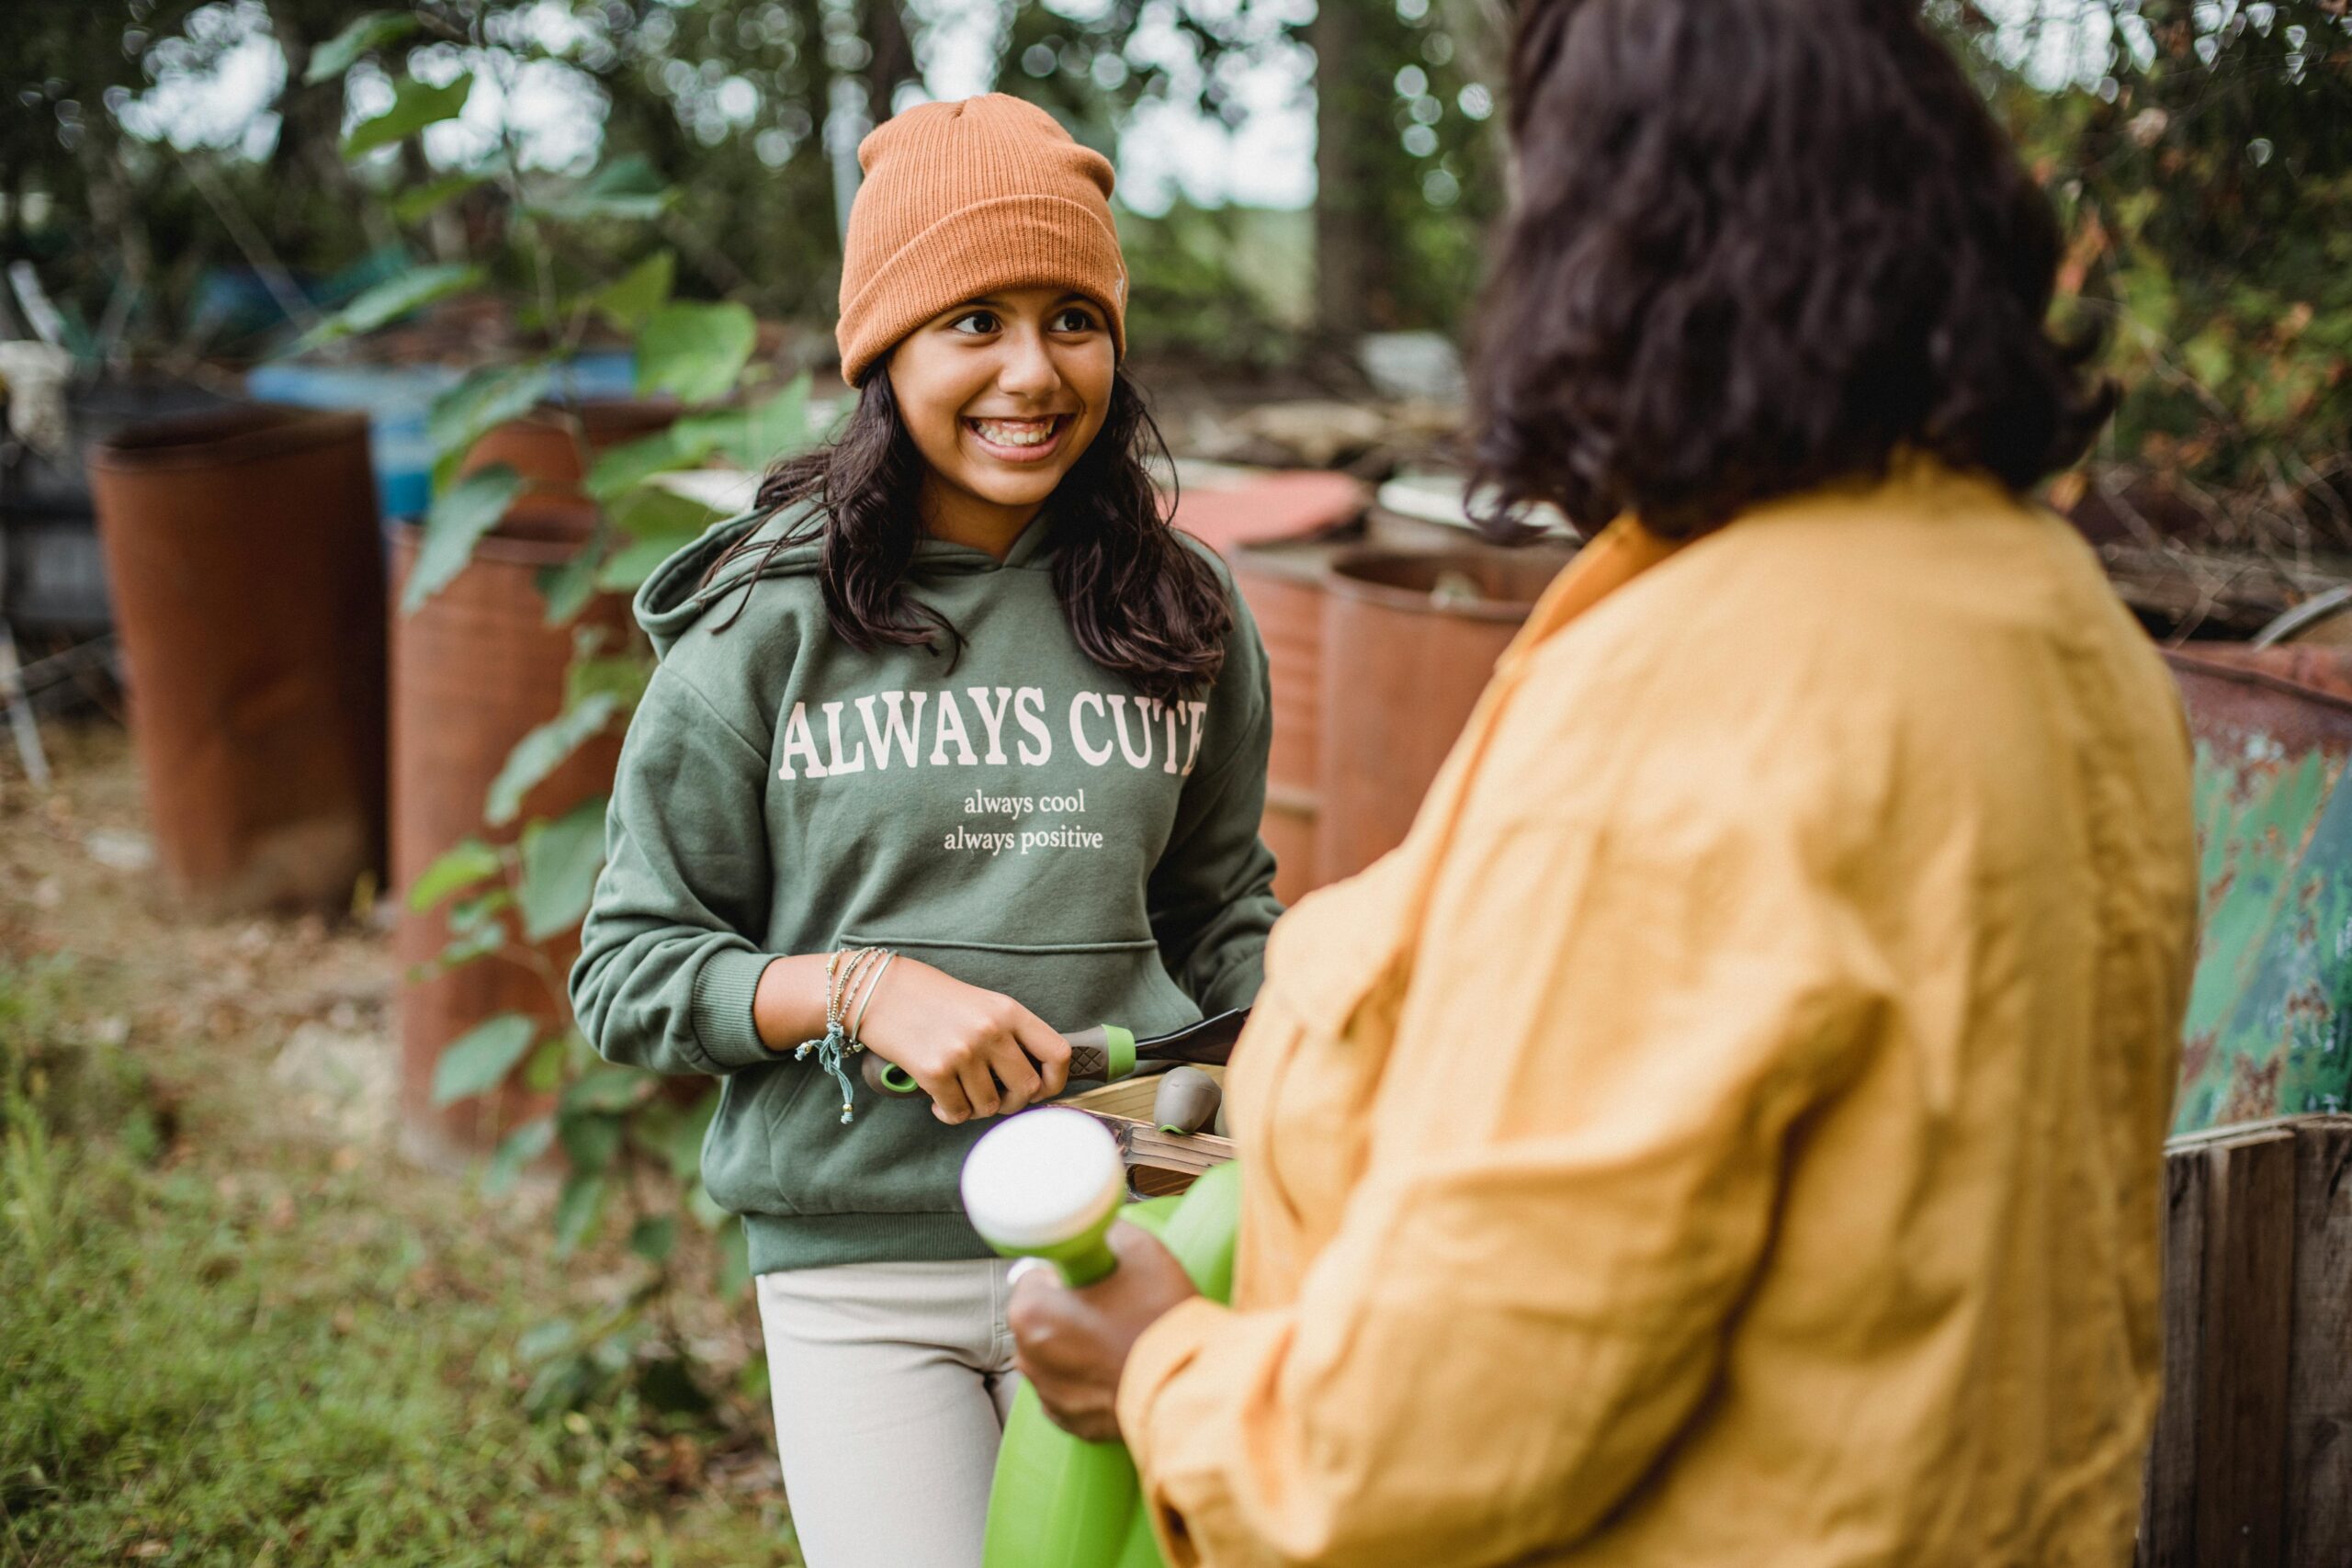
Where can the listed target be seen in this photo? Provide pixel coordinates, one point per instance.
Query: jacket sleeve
(1528, 1288)
(666, 973)
(1212, 892)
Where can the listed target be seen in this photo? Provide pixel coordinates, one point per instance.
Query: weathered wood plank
(2318, 1406)
(2169, 1503)
(2241, 1387)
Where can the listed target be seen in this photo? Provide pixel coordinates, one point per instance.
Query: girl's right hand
(976, 1052)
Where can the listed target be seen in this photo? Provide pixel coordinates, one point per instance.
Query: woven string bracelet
(834, 1046)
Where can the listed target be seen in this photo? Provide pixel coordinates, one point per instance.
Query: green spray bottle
(1049, 1184)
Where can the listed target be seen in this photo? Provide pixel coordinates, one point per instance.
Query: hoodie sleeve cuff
(724, 986)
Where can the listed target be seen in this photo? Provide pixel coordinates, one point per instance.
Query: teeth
(1015, 432)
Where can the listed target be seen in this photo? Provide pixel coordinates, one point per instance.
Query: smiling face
(1001, 396)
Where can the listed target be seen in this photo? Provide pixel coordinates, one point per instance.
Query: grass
(224, 1341)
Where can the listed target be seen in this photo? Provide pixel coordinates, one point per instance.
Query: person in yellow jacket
(1729, 1130)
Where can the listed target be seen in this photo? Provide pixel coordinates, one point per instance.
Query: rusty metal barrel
(1286, 597)
(248, 581)
(474, 669)
(1409, 638)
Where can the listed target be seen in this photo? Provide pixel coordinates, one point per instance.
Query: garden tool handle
(1095, 1054)
(1104, 1052)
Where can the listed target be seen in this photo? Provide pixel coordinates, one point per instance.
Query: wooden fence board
(2319, 1408)
(2248, 1324)
(2168, 1503)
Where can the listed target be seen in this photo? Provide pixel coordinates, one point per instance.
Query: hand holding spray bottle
(1049, 1184)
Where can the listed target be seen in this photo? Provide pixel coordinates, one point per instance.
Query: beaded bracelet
(836, 1044)
(857, 1026)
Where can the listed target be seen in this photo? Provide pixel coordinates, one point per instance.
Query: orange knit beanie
(964, 198)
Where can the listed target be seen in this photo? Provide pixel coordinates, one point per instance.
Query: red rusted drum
(542, 448)
(475, 670)
(1408, 642)
(1286, 596)
(248, 583)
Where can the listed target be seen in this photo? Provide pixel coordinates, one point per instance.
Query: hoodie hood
(675, 596)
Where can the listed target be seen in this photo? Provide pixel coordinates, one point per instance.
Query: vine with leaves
(624, 1142)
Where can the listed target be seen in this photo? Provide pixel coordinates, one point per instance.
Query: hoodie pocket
(739, 1165)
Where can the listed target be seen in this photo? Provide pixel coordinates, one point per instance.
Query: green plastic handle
(1106, 1051)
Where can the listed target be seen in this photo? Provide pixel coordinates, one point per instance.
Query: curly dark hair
(1757, 245)
(1140, 602)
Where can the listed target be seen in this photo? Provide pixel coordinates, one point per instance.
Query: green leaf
(2207, 355)
(485, 398)
(777, 427)
(650, 1124)
(478, 914)
(478, 1060)
(609, 1090)
(590, 1138)
(542, 751)
(545, 1340)
(568, 588)
(658, 523)
(564, 1384)
(577, 1209)
(619, 469)
(543, 1071)
(461, 865)
(654, 1237)
(414, 106)
(652, 512)
(622, 675)
(390, 300)
(695, 351)
(517, 1149)
(561, 860)
(365, 33)
(466, 948)
(639, 292)
(412, 206)
(684, 1142)
(629, 188)
(460, 516)
(734, 1261)
(476, 931)
(627, 568)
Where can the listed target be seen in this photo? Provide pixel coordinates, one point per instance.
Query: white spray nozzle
(1042, 1178)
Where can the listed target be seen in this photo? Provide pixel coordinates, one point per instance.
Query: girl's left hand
(1072, 1345)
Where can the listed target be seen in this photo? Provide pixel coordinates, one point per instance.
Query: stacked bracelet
(843, 970)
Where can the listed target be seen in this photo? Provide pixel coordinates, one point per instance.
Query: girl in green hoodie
(953, 745)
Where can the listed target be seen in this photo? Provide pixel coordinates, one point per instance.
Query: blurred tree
(1408, 173)
(2202, 154)
(728, 100)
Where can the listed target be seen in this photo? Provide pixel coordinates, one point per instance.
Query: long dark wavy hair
(1140, 602)
(1756, 246)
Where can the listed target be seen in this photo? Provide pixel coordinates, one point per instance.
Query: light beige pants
(891, 1381)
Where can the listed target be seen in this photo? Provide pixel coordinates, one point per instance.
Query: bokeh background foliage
(2200, 150)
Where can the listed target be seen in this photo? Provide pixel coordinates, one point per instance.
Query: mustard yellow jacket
(1728, 1131)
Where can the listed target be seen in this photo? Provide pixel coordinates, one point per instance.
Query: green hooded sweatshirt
(1023, 821)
